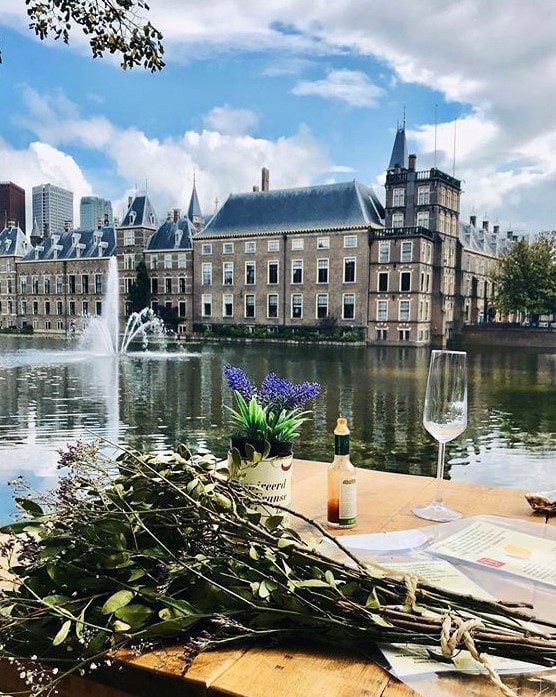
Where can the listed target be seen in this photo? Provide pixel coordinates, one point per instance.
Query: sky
(313, 90)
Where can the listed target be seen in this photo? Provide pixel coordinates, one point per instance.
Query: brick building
(12, 205)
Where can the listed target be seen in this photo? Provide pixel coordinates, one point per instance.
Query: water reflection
(49, 396)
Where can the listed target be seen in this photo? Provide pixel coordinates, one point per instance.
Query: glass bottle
(342, 485)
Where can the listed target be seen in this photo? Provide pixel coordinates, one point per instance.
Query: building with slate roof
(290, 257)
(14, 244)
(61, 281)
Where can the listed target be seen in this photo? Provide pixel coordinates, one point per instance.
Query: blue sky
(312, 91)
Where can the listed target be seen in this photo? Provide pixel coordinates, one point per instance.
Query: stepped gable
(172, 235)
(14, 242)
(76, 244)
(140, 213)
(344, 206)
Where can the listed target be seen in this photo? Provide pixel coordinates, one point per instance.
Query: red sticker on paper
(491, 562)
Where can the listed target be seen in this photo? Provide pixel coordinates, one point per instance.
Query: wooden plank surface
(385, 502)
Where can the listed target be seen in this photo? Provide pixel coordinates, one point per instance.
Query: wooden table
(385, 502)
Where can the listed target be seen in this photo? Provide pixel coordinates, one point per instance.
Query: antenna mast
(454, 157)
(435, 130)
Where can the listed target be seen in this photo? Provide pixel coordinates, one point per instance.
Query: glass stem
(440, 472)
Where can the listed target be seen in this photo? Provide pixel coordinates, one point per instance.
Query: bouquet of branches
(135, 548)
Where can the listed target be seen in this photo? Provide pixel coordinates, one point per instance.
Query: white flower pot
(271, 478)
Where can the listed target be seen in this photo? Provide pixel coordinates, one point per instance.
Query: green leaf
(62, 633)
(135, 575)
(135, 615)
(273, 521)
(30, 506)
(56, 600)
(116, 601)
(372, 601)
(80, 625)
(311, 583)
(284, 543)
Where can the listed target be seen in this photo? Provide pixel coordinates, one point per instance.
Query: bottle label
(348, 502)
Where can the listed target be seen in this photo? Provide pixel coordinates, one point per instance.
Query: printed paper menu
(500, 548)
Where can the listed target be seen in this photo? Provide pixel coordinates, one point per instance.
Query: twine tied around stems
(410, 602)
(451, 638)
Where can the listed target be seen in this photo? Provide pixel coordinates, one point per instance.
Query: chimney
(485, 225)
(67, 225)
(473, 220)
(106, 219)
(412, 159)
(177, 214)
(255, 187)
(496, 229)
(509, 234)
(265, 177)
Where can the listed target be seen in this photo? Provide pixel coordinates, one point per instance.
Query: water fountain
(101, 335)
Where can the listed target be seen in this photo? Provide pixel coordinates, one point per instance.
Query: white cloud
(42, 163)
(350, 86)
(223, 162)
(227, 120)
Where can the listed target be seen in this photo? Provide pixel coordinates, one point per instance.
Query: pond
(50, 394)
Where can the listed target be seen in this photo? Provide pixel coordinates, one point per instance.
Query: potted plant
(266, 422)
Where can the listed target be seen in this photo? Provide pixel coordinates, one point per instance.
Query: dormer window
(152, 219)
(132, 217)
(75, 238)
(178, 236)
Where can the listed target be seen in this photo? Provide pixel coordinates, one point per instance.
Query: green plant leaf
(134, 615)
(62, 633)
(116, 601)
(30, 506)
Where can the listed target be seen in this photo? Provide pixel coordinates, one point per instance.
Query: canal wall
(520, 337)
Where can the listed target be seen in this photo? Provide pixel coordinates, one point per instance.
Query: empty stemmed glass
(445, 418)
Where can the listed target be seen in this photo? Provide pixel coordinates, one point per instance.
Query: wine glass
(445, 418)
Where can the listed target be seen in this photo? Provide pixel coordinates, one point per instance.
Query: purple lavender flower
(279, 393)
(239, 382)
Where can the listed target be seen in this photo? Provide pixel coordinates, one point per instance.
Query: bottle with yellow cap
(342, 485)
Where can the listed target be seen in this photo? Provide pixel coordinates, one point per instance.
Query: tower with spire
(194, 211)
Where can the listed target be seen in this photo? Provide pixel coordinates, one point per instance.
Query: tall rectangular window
(129, 237)
(181, 284)
(348, 306)
(383, 282)
(397, 220)
(407, 252)
(206, 305)
(154, 262)
(322, 305)
(398, 197)
(35, 285)
(23, 284)
(167, 261)
(59, 308)
(322, 271)
(227, 305)
(250, 273)
(182, 308)
(423, 219)
(297, 306)
(383, 252)
(182, 260)
(272, 306)
(349, 270)
(249, 306)
(85, 283)
(382, 310)
(272, 272)
(423, 195)
(98, 283)
(403, 312)
(46, 283)
(71, 283)
(154, 286)
(297, 271)
(85, 308)
(405, 281)
(129, 262)
(228, 273)
(168, 285)
(206, 273)
(273, 246)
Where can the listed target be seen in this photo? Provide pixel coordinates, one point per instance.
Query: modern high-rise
(12, 205)
(94, 211)
(52, 209)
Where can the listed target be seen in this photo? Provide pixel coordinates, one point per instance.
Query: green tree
(140, 291)
(526, 277)
(113, 26)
